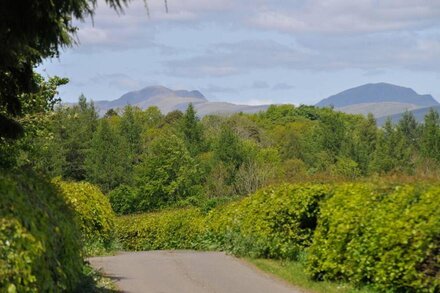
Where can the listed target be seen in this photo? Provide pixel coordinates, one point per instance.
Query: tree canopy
(31, 31)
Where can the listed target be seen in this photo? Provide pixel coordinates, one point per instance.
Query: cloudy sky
(254, 51)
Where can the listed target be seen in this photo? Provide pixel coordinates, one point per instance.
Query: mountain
(168, 100)
(380, 99)
(419, 114)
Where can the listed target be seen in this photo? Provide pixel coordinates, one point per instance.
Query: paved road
(186, 272)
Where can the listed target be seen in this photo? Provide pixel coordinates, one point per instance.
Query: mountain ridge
(381, 99)
(168, 100)
(376, 93)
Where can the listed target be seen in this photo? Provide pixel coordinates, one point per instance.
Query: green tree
(166, 174)
(229, 150)
(110, 113)
(192, 131)
(173, 117)
(151, 117)
(391, 153)
(332, 134)
(430, 136)
(36, 120)
(107, 163)
(362, 143)
(408, 128)
(131, 129)
(75, 127)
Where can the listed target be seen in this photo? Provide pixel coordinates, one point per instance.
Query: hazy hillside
(378, 93)
(419, 114)
(381, 99)
(168, 100)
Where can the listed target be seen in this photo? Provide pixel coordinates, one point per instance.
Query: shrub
(178, 229)
(346, 167)
(123, 200)
(276, 222)
(386, 236)
(94, 214)
(39, 248)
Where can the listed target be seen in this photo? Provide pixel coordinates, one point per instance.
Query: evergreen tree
(430, 136)
(408, 128)
(131, 130)
(230, 151)
(107, 162)
(76, 126)
(332, 134)
(391, 153)
(362, 143)
(110, 113)
(192, 131)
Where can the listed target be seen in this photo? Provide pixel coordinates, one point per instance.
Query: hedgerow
(39, 247)
(94, 214)
(178, 229)
(389, 237)
(275, 222)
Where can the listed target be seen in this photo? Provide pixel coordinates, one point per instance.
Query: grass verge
(294, 273)
(95, 282)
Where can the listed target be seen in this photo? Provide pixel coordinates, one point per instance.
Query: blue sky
(254, 51)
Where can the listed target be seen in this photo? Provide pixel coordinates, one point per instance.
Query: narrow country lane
(186, 272)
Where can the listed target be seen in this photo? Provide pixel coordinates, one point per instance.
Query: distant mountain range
(382, 100)
(168, 100)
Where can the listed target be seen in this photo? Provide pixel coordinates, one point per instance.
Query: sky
(253, 51)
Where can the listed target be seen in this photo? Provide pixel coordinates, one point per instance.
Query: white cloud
(346, 16)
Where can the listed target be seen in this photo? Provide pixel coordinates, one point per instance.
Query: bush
(39, 247)
(178, 229)
(386, 236)
(275, 222)
(123, 200)
(94, 214)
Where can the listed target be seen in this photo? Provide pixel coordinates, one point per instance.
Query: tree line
(145, 160)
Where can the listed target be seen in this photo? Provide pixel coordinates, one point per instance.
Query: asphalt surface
(186, 272)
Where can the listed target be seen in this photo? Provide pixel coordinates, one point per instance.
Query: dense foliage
(178, 229)
(143, 160)
(39, 246)
(387, 236)
(93, 213)
(275, 222)
(147, 161)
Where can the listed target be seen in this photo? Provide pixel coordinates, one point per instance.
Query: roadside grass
(94, 281)
(294, 273)
(98, 248)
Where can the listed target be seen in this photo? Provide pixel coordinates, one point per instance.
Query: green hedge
(274, 222)
(39, 247)
(178, 229)
(386, 236)
(94, 214)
